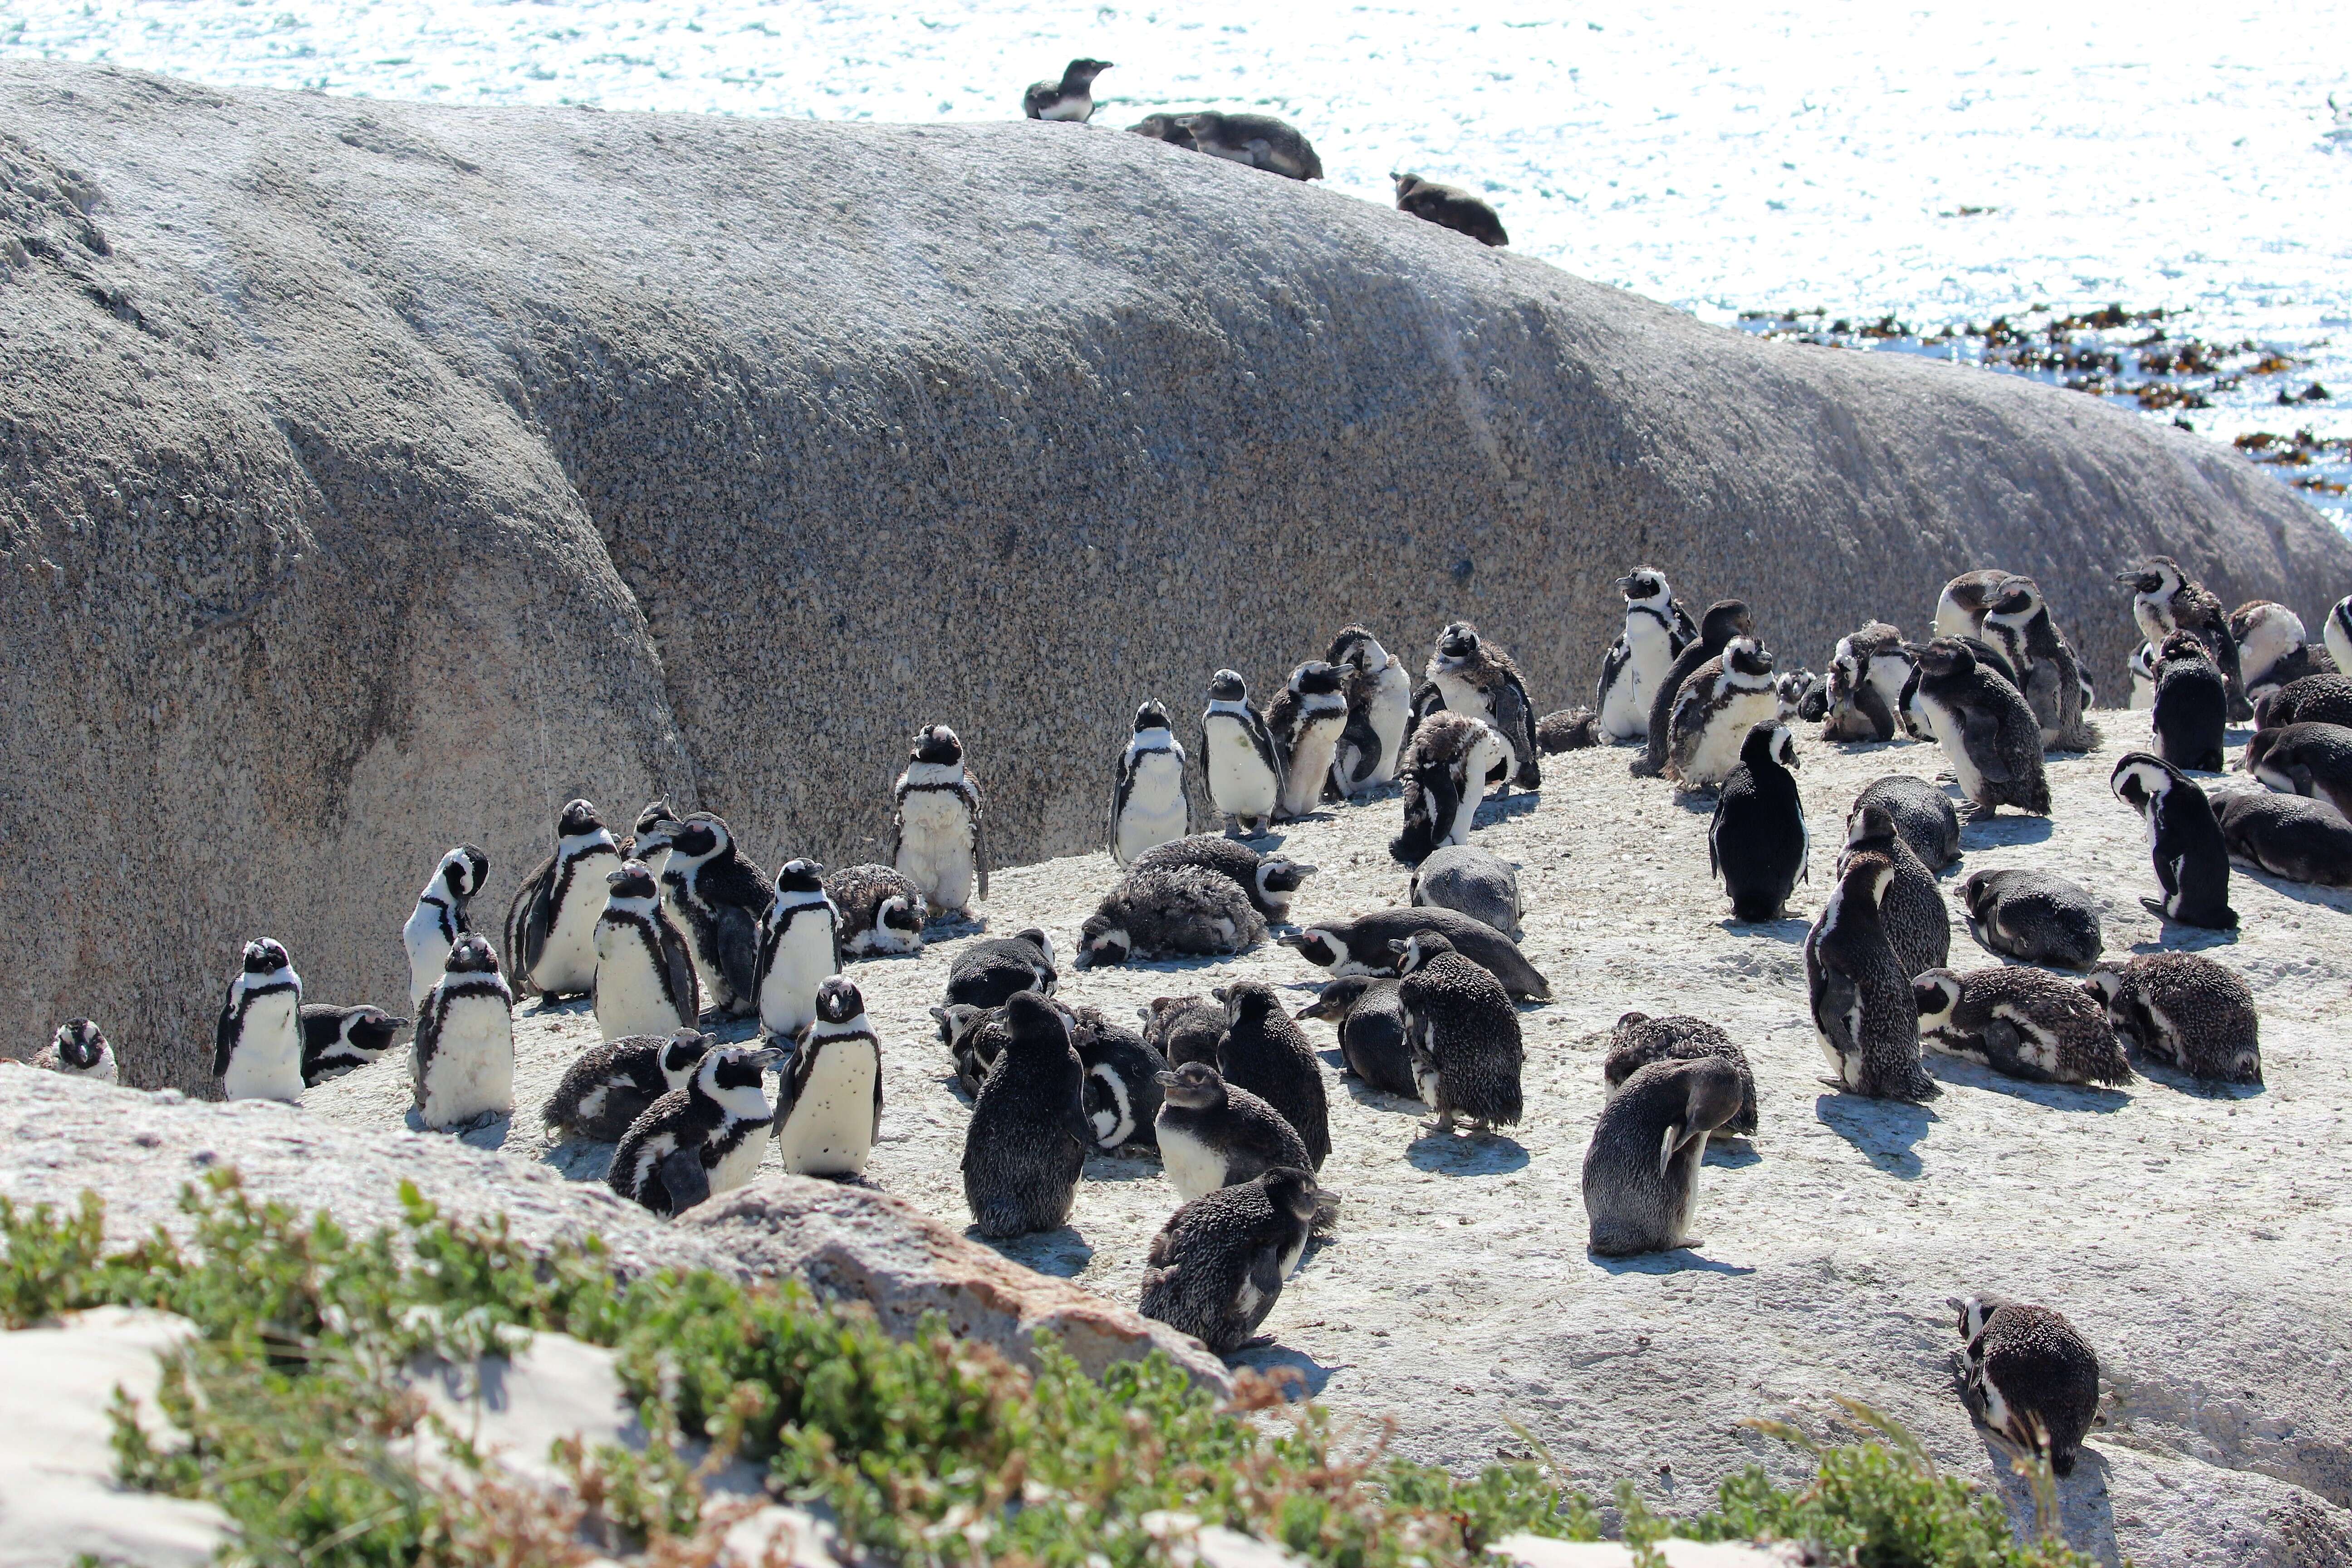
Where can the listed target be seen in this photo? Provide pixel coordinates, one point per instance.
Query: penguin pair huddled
(2005, 610)
(718, 897)
(1477, 678)
(940, 828)
(1724, 620)
(700, 1140)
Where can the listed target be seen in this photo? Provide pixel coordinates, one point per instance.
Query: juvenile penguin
(1260, 141)
(1869, 671)
(1306, 721)
(940, 834)
(1369, 1016)
(1449, 206)
(1216, 1267)
(718, 897)
(1467, 1050)
(1638, 1039)
(2192, 861)
(1723, 620)
(1122, 1094)
(1164, 127)
(1448, 763)
(1989, 734)
(1923, 814)
(2036, 916)
(1961, 607)
(1072, 98)
(1567, 730)
(336, 1039)
(2310, 759)
(440, 917)
(2336, 634)
(1861, 1002)
(800, 945)
(1268, 882)
(1720, 702)
(1183, 1028)
(2287, 835)
(2185, 1010)
(880, 909)
(2314, 700)
(461, 1059)
(1169, 913)
(2018, 623)
(552, 924)
(1028, 1136)
(2271, 649)
(1238, 757)
(1379, 702)
(2026, 1023)
(2191, 717)
(257, 1043)
(984, 973)
(1265, 1052)
(1149, 803)
(80, 1049)
(645, 983)
(696, 1143)
(1367, 945)
(975, 1037)
(1656, 630)
(1469, 881)
(2143, 677)
(1479, 679)
(1212, 1135)
(1756, 842)
(1917, 924)
(1641, 1171)
(829, 1092)
(2166, 600)
(2026, 1373)
(609, 1086)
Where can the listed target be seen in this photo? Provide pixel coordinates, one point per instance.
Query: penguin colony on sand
(673, 924)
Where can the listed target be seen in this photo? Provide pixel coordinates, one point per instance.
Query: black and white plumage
(1365, 945)
(1028, 1136)
(1183, 1028)
(983, 973)
(1756, 842)
(2287, 835)
(609, 1086)
(1919, 924)
(2166, 599)
(2191, 714)
(1168, 912)
(1641, 1170)
(2185, 1010)
(1369, 1016)
(1723, 620)
(1869, 669)
(718, 895)
(2027, 1374)
(1263, 1051)
(1923, 814)
(1638, 1039)
(645, 983)
(80, 1049)
(1216, 1267)
(880, 909)
(2314, 700)
(2026, 1023)
(2018, 623)
(1379, 706)
(1450, 206)
(1989, 734)
(2271, 649)
(1121, 1092)
(2306, 759)
(975, 1037)
(1238, 758)
(799, 946)
(2143, 676)
(1213, 1135)
(1269, 881)
(2336, 634)
(1165, 128)
(695, 1142)
(1260, 141)
(1656, 630)
(336, 1039)
(1306, 721)
(1469, 881)
(1447, 765)
(257, 1042)
(1149, 803)
(1861, 1003)
(1479, 679)
(939, 833)
(1071, 97)
(1719, 703)
(2192, 861)
(440, 917)
(461, 1058)
(2037, 916)
(1960, 608)
(1467, 1050)
(551, 924)
(829, 1090)
(656, 817)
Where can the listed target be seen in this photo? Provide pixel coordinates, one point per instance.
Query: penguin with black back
(2287, 835)
(2192, 857)
(986, 972)
(1122, 1092)
(2025, 1373)
(1863, 1011)
(336, 1039)
(1263, 1050)
(2310, 759)
(1072, 98)
(1921, 811)
(2037, 916)
(1988, 733)
(1216, 1267)
(1368, 1015)
(1258, 140)
(2314, 700)
(1449, 206)
(1756, 842)
(1183, 1028)
(1467, 1049)
(1641, 1170)
(720, 897)
(1478, 678)
(1723, 620)
(1917, 922)
(1638, 1039)
(609, 1086)
(2192, 716)
(1212, 1135)
(1268, 880)
(2185, 1010)
(1367, 945)
(1027, 1141)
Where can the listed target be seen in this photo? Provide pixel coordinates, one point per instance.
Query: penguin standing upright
(1379, 703)
(2018, 623)
(1479, 679)
(1862, 1006)
(2192, 859)
(2190, 719)
(941, 830)
(2026, 1373)
(1265, 1052)
(1148, 804)
(335, 1040)
(461, 1059)
(1723, 620)
(1720, 702)
(1918, 922)
(552, 924)
(80, 1049)
(1027, 1139)
(656, 817)
(1238, 757)
(2166, 600)
(1641, 1170)
(1072, 98)
(1448, 763)
(1656, 630)
(829, 1095)
(800, 945)
(1216, 1267)
(440, 917)
(1961, 608)
(718, 897)
(1756, 842)
(1467, 1050)
(258, 1044)
(1306, 721)
(645, 983)
(1989, 734)
(697, 1142)
(1869, 671)
(2143, 677)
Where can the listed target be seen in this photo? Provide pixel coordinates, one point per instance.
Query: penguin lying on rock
(1366, 946)
(2026, 1373)
(80, 1049)
(609, 1086)
(697, 1142)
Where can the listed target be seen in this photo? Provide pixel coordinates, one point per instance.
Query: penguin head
(1419, 950)
(1458, 643)
(936, 743)
(1358, 649)
(800, 876)
(1768, 744)
(578, 820)
(1946, 657)
(897, 913)
(79, 1044)
(1337, 999)
(735, 1068)
(957, 1020)
(1977, 894)
(265, 955)
(1867, 874)
(1247, 1000)
(1033, 1025)
(1315, 678)
(1317, 947)
(1712, 1095)
(2016, 599)
(1102, 942)
(2182, 645)
(1152, 715)
(656, 814)
(1745, 659)
(1227, 686)
(1078, 75)
(1644, 586)
(1973, 1313)
(2158, 576)
(471, 955)
(2104, 984)
(1725, 619)
(682, 1054)
(1869, 822)
(1195, 1086)
(463, 870)
(635, 879)
(838, 1001)
(1162, 128)
(2341, 615)
(371, 1029)
(1278, 877)
(1405, 183)
(1935, 992)
(701, 837)
(1292, 1191)
(2141, 780)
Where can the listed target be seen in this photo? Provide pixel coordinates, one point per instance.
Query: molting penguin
(1919, 925)
(645, 983)
(2026, 1023)
(1467, 1051)
(1268, 882)
(2192, 861)
(1656, 630)
(1641, 1171)
(1567, 730)
(829, 1092)
(1238, 757)
(2018, 623)
(1166, 912)
(1028, 1136)
(1638, 1039)
(609, 1086)
(2026, 1373)
(2185, 1010)
(975, 1037)
(1861, 1002)
(336, 1039)
(1183, 1028)
(1447, 765)
(1961, 608)
(1449, 206)
(2305, 759)
(2287, 835)
(2165, 600)
(718, 897)
(1725, 619)
(1368, 1016)
(1121, 1097)
(1379, 704)
(1479, 679)
(1756, 842)
(800, 945)
(1719, 703)
(1306, 721)
(1216, 1267)
(1149, 803)
(880, 910)
(2314, 700)
(1989, 734)
(2271, 649)
(984, 973)
(1869, 671)
(461, 1059)
(1469, 881)
(257, 1043)
(552, 924)
(1922, 813)
(2191, 705)
(1260, 141)
(696, 1143)
(440, 917)
(1265, 1052)
(1072, 98)
(1366, 946)
(80, 1049)
(1212, 1135)
(940, 835)
(2035, 916)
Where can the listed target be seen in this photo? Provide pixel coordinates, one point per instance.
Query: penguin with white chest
(940, 833)
(608, 1087)
(2336, 634)
(1448, 763)
(645, 983)
(1641, 1170)
(2023, 1022)
(1238, 757)
(1121, 1095)
(1212, 1134)
(1306, 721)
(1719, 703)
(829, 1094)
(1723, 620)
(2025, 1373)
(336, 1039)
(2018, 623)
(800, 945)
(1656, 630)
(1862, 1007)
(552, 924)
(80, 1049)
(700, 1141)
(1217, 1267)
(1071, 97)
(1477, 678)
(1987, 731)
(440, 917)
(1379, 704)
(257, 1043)
(2166, 599)
(718, 897)
(1148, 804)
(2192, 857)
(461, 1061)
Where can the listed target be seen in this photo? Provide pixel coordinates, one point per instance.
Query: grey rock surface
(374, 477)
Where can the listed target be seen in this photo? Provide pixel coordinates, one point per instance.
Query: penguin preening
(461, 1058)
(336, 1039)
(1306, 721)
(257, 1043)
(2192, 861)
(2026, 1373)
(829, 1094)
(80, 1049)
(718, 897)
(1638, 1039)
(1238, 757)
(1723, 620)
(1149, 803)
(800, 945)
(1641, 1170)
(696, 1143)
(2165, 600)
(1071, 97)
(1756, 842)
(939, 832)
(2305, 759)
(1479, 679)
(1183, 1028)
(552, 924)
(440, 917)
(1656, 631)
(1379, 705)
(1869, 671)
(1961, 608)
(1260, 141)
(2271, 649)
(880, 908)
(609, 1086)
(645, 983)
(1449, 206)
(1217, 1267)
(2026, 1023)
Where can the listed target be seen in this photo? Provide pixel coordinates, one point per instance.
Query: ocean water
(1911, 173)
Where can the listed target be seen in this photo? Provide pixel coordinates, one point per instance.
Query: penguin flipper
(526, 921)
(978, 833)
(1980, 732)
(683, 1177)
(738, 940)
(877, 1094)
(685, 985)
(1873, 707)
(224, 1032)
(1265, 1275)
(1684, 634)
(1836, 1001)
(1121, 784)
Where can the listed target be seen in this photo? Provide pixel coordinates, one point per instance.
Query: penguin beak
(769, 1056)
(1621, 584)
(1164, 1079)
(1295, 942)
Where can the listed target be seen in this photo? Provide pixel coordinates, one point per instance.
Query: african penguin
(2287, 835)
(1379, 702)
(1989, 734)
(1720, 701)
(645, 983)
(1269, 881)
(2165, 600)
(1265, 1052)
(1917, 924)
(880, 908)
(1307, 720)
(1447, 765)
(2192, 861)
(1869, 669)
(2143, 677)
(1641, 1170)
(1723, 620)
(939, 832)
(829, 1090)
(2018, 623)
(1449, 206)
(2037, 916)
(1369, 1016)
(800, 945)
(1756, 842)
(1479, 679)
(984, 973)
(718, 897)
(78, 1049)
(1469, 881)
(650, 821)
(1028, 1136)
(2190, 718)
(2271, 649)
(1861, 1003)
(1164, 127)
(1072, 98)
(1149, 803)
(975, 1037)
(440, 917)
(1365, 945)
(2184, 1010)
(609, 1086)
(1216, 1267)
(552, 924)
(1467, 1050)
(2026, 1373)
(461, 1058)
(1923, 814)
(1960, 609)
(2026, 1023)
(1260, 141)
(1567, 730)
(258, 1044)
(335, 1040)
(696, 1143)
(1801, 694)
(1638, 1039)
(1212, 1134)
(1238, 757)
(1121, 1097)
(1169, 911)
(1183, 1028)
(2337, 634)
(2306, 759)
(1656, 630)
(2314, 700)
